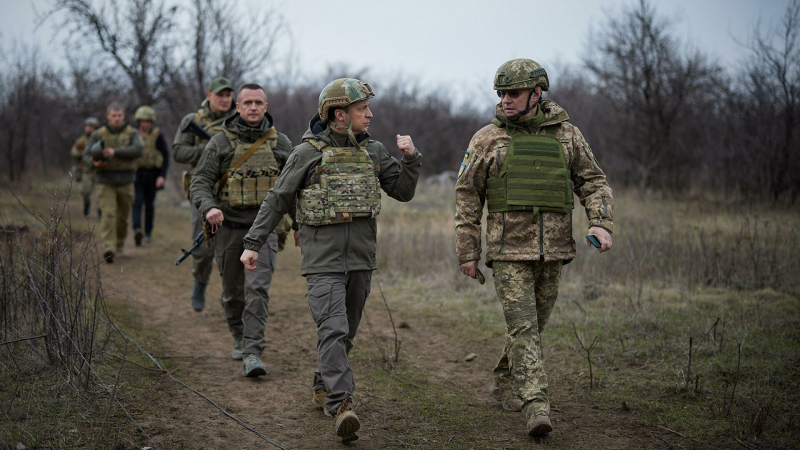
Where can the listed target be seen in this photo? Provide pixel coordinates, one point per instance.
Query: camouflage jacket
(340, 247)
(186, 147)
(512, 235)
(77, 152)
(218, 157)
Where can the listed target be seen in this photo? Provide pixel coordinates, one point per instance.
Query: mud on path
(428, 401)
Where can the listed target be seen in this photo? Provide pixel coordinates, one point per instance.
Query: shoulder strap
(319, 145)
(245, 155)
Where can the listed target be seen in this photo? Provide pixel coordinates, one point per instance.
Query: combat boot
(199, 297)
(137, 237)
(238, 346)
(510, 401)
(252, 366)
(109, 256)
(319, 399)
(86, 208)
(346, 422)
(539, 425)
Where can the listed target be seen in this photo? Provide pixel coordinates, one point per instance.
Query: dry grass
(723, 274)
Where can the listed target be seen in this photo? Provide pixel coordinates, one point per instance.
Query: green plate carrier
(533, 177)
(347, 187)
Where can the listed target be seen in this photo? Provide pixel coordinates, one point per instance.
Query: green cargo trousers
(527, 290)
(245, 293)
(336, 301)
(116, 203)
(202, 256)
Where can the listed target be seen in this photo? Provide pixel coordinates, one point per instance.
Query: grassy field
(724, 276)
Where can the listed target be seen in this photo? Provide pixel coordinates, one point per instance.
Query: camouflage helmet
(145, 112)
(520, 73)
(92, 121)
(342, 92)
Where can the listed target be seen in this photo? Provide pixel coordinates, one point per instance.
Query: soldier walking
(151, 172)
(526, 165)
(187, 148)
(244, 161)
(114, 149)
(335, 176)
(84, 171)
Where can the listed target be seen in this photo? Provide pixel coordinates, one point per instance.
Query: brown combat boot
(510, 400)
(346, 422)
(319, 398)
(539, 425)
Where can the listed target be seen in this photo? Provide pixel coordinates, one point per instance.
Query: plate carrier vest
(116, 140)
(151, 157)
(247, 185)
(346, 187)
(533, 177)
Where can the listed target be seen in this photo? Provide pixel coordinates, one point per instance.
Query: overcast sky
(460, 43)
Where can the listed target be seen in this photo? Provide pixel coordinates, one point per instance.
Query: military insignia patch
(463, 164)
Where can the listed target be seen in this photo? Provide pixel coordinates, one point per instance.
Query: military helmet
(92, 121)
(145, 112)
(342, 92)
(520, 73)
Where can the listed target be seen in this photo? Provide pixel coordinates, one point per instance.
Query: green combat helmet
(520, 73)
(341, 93)
(145, 112)
(92, 121)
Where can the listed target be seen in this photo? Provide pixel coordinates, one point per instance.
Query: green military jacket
(513, 235)
(218, 157)
(341, 247)
(186, 148)
(129, 152)
(77, 152)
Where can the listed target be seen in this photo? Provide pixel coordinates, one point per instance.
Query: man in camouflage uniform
(187, 149)
(83, 172)
(526, 165)
(114, 149)
(151, 172)
(335, 176)
(244, 160)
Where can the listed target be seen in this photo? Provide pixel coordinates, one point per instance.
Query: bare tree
(136, 34)
(773, 89)
(648, 84)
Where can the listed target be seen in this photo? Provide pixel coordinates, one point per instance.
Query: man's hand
(249, 259)
(296, 238)
(159, 182)
(100, 163)
(214, 217)
(108, 152)
(468, 269)
(406, 145)
(603, 236)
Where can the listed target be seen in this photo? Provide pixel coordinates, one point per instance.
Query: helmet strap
(349, 128)
(527, 109)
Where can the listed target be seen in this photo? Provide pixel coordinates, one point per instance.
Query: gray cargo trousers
(202, 256)
(245, 293)
(336, 301)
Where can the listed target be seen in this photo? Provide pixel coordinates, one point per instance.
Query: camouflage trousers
(527, 291)
(116, 203)
(87, 186)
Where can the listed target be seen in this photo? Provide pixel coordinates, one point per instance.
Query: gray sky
(460, 43)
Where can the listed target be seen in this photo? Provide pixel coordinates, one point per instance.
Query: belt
(235, 225)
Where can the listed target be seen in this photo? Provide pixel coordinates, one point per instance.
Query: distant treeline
(660, 115)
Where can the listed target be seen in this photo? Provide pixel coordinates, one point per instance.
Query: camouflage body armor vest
(533, 177)
(112, 140)
(212, 126)
(347, 187)
(151, 157)
(248, 184)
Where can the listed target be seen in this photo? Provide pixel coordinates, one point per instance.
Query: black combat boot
(198, 297)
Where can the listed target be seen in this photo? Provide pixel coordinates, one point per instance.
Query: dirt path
(444, 405)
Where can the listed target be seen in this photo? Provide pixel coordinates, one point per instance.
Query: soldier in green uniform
(114, 149)
(335, 176)
(84, 170)
(151, 172)
(244, 161)
(187, 148)
(526, 165)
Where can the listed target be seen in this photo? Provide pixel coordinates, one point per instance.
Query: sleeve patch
(463, 164)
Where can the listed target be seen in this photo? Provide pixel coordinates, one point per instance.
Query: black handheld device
(593, 240)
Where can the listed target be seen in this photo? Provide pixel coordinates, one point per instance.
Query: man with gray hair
(114, 149)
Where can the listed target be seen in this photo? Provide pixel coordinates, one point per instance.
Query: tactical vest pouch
(252, 174)
(263, 185)
(534, 175)
(348, 188)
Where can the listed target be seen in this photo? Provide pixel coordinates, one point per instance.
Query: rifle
(197, 130)
(205, 236)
